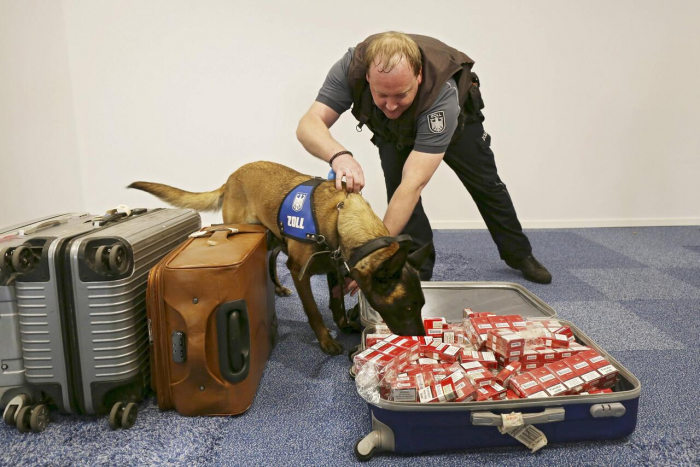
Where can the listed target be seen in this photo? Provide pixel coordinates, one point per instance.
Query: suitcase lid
(449, 299)
(219, 246)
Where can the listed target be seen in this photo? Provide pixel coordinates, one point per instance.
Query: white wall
(593, 106)
(39, 158)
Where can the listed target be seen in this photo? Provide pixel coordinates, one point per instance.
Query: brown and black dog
(387, 277)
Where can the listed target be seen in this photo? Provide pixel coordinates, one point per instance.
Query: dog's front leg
(328, 344)
(336, 305)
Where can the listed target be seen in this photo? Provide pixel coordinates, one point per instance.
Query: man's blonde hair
(388, 48)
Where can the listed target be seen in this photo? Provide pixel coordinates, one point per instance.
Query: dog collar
(374, 245)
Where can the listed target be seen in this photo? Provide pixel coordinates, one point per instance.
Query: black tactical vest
(440, 62)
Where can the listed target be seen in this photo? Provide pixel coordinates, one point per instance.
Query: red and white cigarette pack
(566, 330)
(517, 323)
(499, 322)
(424, 361)
(573, 383)
(427, 395)
(608, 372)
(554, 340)
(505, 361)
(598, 391)
(547, 355)
(511, 395)
(385, 364)
(478, 374)
(479, 330)
(526, 386)
(467, 313)
(506, 342)
(434, 326)
(446, 353)
(507, 372)
(449, 336)
(372, 339)
(455, 388)
(563, 353)
(591, 378)
(549, 381)
(412, 346)
(487, 359)
(490, 392)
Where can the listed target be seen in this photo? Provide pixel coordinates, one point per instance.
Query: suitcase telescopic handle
(551, 414)
(233, 336)
(43, 225)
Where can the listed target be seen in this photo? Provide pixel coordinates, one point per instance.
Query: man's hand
(347, 166)
(349, 286)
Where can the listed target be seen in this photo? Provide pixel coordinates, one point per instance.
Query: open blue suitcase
(411, 428)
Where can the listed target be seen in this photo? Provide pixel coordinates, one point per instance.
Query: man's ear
(420, 76)
(418, 257)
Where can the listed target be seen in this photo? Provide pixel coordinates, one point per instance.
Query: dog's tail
(207, 201)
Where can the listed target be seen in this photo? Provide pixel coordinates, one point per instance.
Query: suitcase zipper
(162, 375)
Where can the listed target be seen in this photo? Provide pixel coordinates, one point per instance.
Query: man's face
(393, 92)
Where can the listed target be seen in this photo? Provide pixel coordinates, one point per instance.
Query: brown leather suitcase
(212, 321)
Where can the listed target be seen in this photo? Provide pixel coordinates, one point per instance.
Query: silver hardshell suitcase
(14, 391)
(82, 310)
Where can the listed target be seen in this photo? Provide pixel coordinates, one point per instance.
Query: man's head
(393, 62)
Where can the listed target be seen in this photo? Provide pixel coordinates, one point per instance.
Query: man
(422, 102)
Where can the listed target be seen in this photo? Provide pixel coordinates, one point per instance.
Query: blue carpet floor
(635, 291)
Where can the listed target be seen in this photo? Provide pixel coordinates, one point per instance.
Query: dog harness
(296, 217)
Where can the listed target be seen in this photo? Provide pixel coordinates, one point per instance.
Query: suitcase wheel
(123, 415)
(365, 448)
(23, 417)
(117, 259)
(23, 259)
(39, 418)
(131, 411)
(9, 416)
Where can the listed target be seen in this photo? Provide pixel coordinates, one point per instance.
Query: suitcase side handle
(551, 414)
(233, 337)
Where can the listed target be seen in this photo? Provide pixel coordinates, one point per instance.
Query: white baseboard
(572, 224)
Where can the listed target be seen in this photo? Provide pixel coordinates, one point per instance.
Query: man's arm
(417, 172)
(313, 133)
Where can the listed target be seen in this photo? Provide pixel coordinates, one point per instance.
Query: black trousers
(471, 158)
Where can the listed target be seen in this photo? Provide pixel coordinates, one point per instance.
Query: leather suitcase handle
(233, 336)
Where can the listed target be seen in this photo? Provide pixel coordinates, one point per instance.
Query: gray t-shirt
(434, 127)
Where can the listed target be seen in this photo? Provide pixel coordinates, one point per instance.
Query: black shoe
(532, 269)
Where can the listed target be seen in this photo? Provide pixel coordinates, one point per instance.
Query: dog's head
(389, 281)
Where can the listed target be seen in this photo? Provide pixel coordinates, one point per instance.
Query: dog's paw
(282, 291)
(331, 346)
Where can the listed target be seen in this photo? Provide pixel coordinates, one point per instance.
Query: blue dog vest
(297, 216)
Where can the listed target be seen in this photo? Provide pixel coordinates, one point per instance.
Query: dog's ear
(418, 257)
(391, 267)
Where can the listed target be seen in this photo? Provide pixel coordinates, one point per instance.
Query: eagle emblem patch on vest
(436, 121)
(299, 201)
